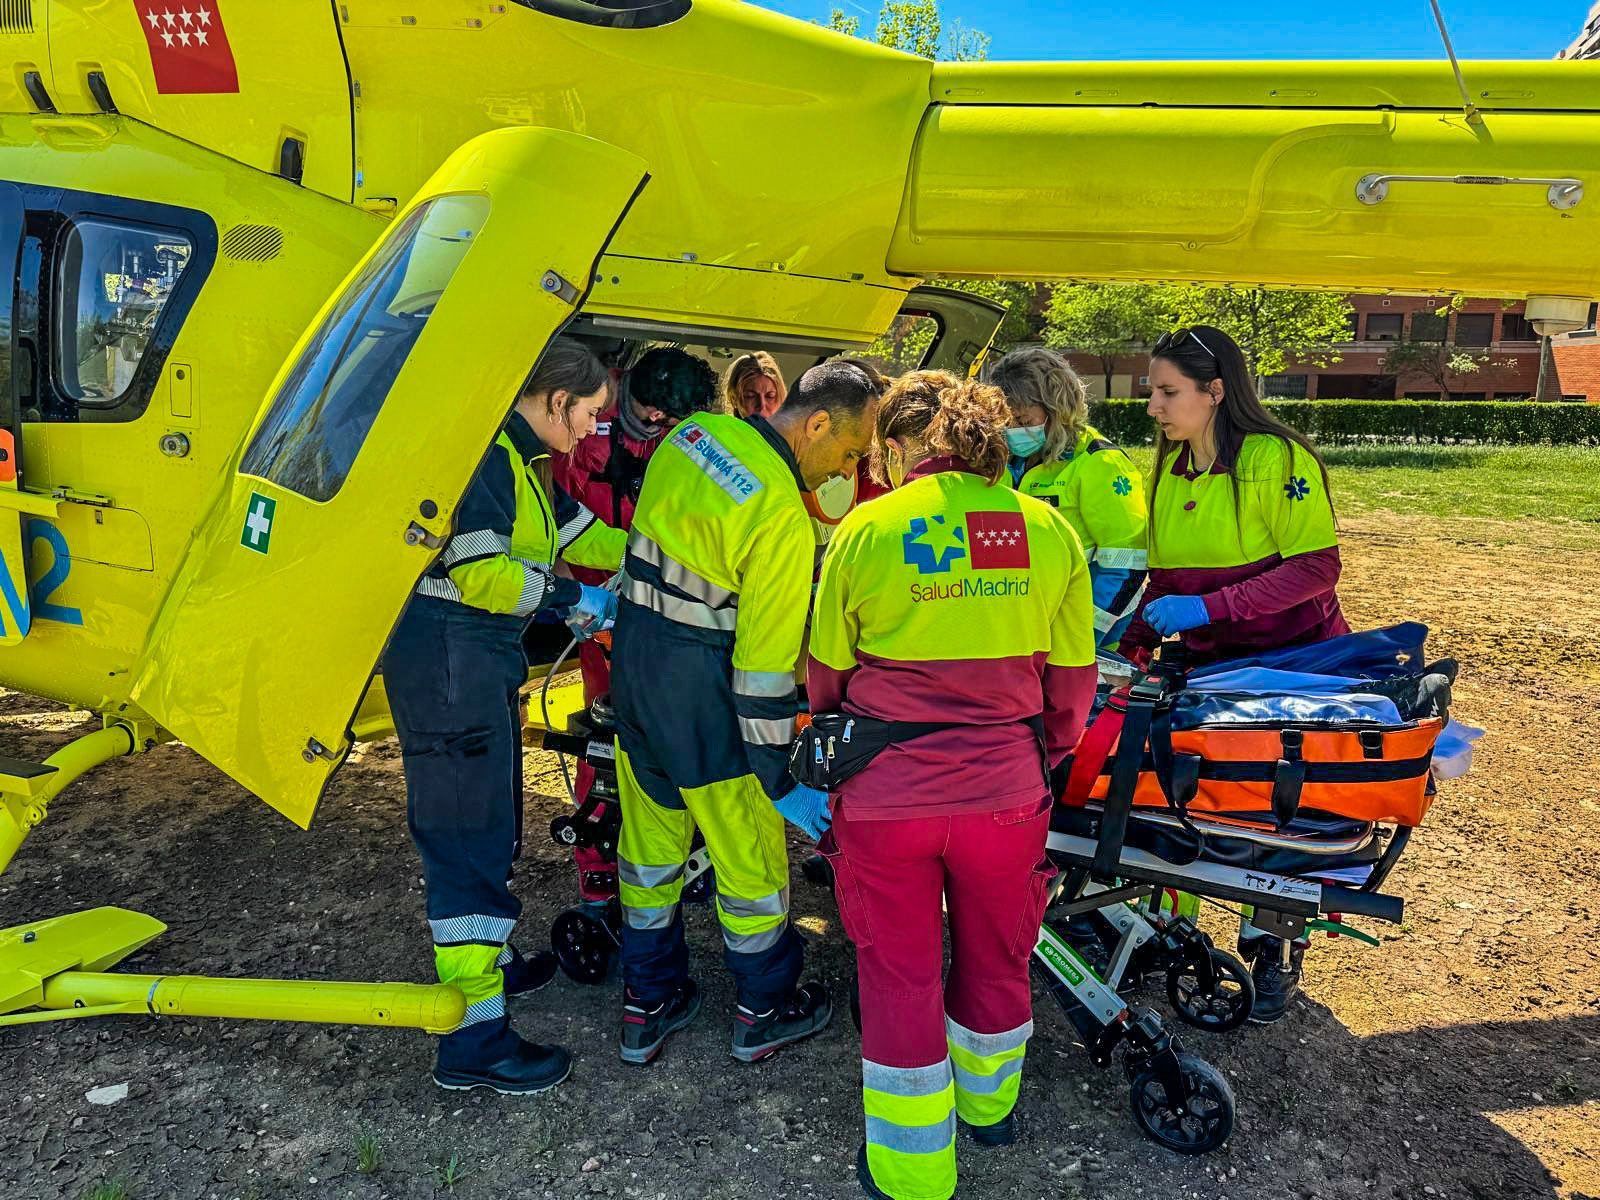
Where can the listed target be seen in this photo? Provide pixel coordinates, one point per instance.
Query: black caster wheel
(584, 945)
(1197, 1125)
(1216, 1005)
(564, 831)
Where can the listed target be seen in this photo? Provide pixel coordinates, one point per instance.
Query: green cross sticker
(258, 523)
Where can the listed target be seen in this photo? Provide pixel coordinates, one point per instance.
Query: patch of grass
(369, 1155)
(452, 1173)
(1556, 484)
(112, 1189)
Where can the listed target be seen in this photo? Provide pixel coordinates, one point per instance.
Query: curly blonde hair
(940, 414)
(1039, 376)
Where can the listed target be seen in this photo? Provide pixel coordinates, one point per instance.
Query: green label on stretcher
(1061, 959)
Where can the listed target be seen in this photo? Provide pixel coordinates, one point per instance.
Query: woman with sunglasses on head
(1244, 555)
(1057, 456)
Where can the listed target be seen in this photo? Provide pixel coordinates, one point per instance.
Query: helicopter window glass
(114, 281)
(325, 408)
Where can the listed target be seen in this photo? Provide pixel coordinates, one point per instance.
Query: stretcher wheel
(1223, 1005)
(1206, 1118)
(564, 831)
(584, 945)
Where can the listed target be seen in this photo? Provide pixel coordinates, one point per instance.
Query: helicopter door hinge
(559, 287)
(315, 750)
(416, 535)
(75, 497)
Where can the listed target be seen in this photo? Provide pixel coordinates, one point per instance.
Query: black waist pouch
(836, 746)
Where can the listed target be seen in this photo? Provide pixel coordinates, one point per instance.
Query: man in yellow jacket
(709, 628)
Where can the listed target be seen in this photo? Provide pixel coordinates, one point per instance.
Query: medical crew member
(953, 599)
(1058, 457)
(604, 473)
(1244, 555)
(718, 583)
(452, 672)
(753, 386)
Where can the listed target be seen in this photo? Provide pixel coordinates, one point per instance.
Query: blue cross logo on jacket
(932, 548)
(1297, 488)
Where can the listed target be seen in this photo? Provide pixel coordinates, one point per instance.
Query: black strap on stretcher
(1141, 702)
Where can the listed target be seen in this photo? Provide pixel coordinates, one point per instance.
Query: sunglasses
(1170, 341)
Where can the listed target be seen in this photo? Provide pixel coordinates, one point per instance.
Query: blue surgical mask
(1026, 440)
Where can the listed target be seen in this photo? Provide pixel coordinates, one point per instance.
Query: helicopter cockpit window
(114, 281)
(322, 414)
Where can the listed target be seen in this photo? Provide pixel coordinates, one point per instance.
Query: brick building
(1574, 370)
(1487, 329)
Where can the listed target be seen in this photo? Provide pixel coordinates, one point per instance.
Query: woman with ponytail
(1244, 554)
(954, 620)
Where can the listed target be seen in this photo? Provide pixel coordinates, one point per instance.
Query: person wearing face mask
(452, 673)
(605, 473)
(709, 628)
(1057, 456)
(1244, 552)
(753, 385)
(959, 606)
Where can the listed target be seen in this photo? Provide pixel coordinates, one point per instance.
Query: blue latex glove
(595, 611)
(807, 810)
(1171, 615)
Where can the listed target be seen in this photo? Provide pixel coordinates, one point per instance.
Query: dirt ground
(1462, 1059)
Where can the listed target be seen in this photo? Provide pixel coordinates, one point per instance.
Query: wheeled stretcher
(1178, 802)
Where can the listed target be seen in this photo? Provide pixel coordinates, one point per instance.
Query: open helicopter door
(965, 326)
(363, 450)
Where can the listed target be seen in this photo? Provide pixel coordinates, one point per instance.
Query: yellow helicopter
(277, 271)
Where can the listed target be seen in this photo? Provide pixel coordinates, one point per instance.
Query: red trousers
(991, 872)
(597, 875)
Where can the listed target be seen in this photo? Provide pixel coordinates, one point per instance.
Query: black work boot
(864, 1177)
(1277, 981)
(523, 976)
(646, 1028)
(498, 1059)
(759, 1034)
(991, 1137)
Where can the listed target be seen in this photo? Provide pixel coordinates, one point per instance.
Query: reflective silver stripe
(575, 528)
(986, 1044)
(775, 685)
(443, 589)
(674, 574)
(647, 877)
(753, 943)
(536, 580)
(912, 1139)
(479, 543)
(1124, 560)
(492, 931)
(505, 957)
(650, 918)
(774, 905)
(986, 1085)
(905, 1081)
(772, 732)
(674, 608)
(490, 1008)
(1104, 620)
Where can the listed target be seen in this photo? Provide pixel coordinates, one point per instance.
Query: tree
(911, 25)
(1272, 327)
(1107, 319)
(841, 22)
(1435, 361)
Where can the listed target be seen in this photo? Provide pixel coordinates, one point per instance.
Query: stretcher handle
(1363, 904)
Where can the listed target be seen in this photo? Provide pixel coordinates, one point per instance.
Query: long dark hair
(1205, 353)
(566, 366)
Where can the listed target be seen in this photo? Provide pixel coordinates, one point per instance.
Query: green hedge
(1334, 422)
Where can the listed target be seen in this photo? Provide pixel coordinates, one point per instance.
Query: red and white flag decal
(998, 541)
(188, 47)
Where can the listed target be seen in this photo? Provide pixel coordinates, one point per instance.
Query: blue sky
(1170, 29)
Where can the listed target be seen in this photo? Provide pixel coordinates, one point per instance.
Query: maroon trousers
(991, 872)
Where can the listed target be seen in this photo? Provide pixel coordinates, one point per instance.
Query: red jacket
(601, 479)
